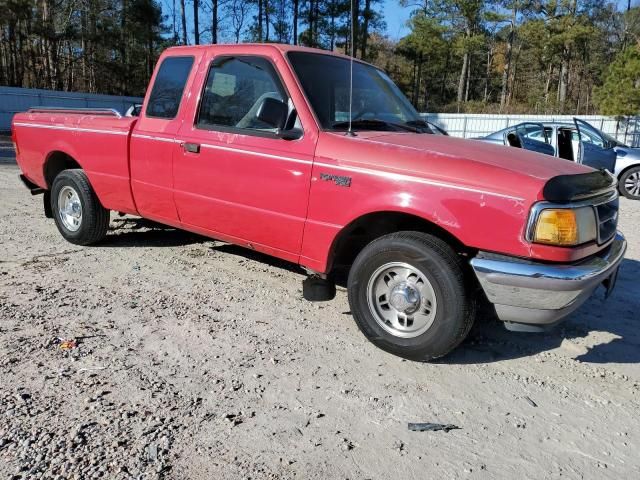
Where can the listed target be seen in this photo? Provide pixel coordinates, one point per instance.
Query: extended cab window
(165, 97)
(235, 89)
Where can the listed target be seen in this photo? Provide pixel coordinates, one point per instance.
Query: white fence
(13, 100)
(478, 125)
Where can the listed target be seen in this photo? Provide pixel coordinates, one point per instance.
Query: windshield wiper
(424, 126)
(375, 122)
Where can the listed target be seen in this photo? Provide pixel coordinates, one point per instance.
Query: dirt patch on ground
(195, 359)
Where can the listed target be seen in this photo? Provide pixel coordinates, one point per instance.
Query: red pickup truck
(268, 147)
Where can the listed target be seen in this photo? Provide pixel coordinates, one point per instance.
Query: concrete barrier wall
(13, 100)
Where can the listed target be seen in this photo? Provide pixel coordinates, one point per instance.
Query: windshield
(377, 101)
(612, 140)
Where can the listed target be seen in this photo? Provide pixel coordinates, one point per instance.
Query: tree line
(514, 56)
(509, 56)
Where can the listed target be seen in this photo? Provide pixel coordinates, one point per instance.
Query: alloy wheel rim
(401, 299)
(632, 184)
(69, 208)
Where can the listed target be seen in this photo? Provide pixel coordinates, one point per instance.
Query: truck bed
(98, 140)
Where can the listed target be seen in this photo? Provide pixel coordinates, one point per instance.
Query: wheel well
(359, 233)
(634, 165)
(57, 162)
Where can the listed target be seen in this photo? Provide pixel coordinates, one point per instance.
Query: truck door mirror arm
(290, 134)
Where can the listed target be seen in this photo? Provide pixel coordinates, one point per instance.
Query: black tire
(631, 175)
(94, 219)
(444, 270)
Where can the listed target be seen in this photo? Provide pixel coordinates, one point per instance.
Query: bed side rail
(108, 112)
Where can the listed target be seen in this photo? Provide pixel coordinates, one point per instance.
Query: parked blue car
(577, 142)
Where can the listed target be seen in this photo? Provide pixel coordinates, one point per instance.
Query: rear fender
(113, 191)
(58, 147)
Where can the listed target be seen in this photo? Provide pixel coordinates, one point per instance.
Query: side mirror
(273, 112)
(133, 110)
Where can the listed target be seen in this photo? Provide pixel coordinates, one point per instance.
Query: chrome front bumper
(536, 294)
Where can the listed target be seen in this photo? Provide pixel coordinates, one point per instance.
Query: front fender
(478, 219)
(626, 161)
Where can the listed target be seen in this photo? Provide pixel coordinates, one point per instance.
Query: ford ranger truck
(264, 147)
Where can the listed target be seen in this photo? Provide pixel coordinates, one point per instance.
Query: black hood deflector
(569, 188)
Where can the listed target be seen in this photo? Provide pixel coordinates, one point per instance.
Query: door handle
(191, 147)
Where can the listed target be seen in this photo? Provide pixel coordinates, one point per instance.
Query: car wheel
(79, 215)
(408, 296)
(629, 183)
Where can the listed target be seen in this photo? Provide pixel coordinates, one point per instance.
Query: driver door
(235, 177)
(594, 149)
(532, 136)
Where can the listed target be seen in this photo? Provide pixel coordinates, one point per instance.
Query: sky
(397, 16)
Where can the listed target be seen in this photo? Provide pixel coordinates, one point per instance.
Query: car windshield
(378, 104)
(612, 140)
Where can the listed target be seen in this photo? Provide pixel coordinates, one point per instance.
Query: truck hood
(470, 163)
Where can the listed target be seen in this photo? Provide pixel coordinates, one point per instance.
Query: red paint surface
(267, 193)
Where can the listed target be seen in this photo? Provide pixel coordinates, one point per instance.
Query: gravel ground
(195, 359)
(7, 154)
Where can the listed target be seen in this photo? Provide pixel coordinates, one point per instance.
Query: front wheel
(79, 215)
(629, 183)
(408, 296)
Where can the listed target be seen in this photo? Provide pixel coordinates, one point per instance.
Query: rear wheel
(629, 183)
(79, 215)
(408, 296)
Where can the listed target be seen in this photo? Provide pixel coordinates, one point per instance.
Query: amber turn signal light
(557, 227)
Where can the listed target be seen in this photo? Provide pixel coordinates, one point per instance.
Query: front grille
(607, 220)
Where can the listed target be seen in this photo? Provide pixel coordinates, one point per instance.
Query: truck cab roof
(254, 48)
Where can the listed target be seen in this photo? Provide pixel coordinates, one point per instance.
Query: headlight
(565, 226)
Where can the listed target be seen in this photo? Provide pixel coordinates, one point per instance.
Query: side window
(534, 132)
(166, 94)
(235, 89)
